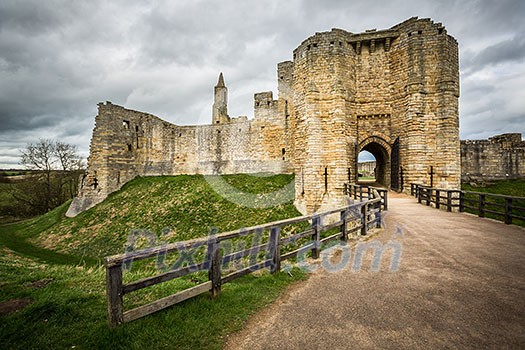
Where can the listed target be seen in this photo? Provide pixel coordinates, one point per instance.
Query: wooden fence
(276, 246)
(362, 192)
(502, 207)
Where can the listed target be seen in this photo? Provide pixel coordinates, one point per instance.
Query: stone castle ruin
(500, 157)
(391, 92)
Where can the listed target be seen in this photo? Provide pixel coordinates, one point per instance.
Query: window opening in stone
(129, 147)
(125, 124)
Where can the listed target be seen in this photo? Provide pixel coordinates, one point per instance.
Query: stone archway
(381, 150)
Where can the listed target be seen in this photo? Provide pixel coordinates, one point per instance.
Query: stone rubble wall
(367, 168)
(498, 158)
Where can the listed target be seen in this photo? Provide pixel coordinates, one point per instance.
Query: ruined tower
(220, 103)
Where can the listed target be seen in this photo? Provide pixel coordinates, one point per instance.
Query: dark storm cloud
(59, 58)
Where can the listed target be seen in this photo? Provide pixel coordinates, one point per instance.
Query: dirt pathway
(460, 284)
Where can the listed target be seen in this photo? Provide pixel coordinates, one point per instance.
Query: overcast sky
(58, 59)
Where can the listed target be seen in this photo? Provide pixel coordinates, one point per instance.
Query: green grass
(506, 187)
(186, 206)
(6, 203)
(71, 309)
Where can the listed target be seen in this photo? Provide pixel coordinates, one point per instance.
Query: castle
(391, 92)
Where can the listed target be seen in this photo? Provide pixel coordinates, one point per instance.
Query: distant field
(14, 172)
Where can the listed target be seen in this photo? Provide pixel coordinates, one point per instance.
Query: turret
(220, 104)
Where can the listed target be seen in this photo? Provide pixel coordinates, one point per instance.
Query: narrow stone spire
(220, 104)
(220, 83)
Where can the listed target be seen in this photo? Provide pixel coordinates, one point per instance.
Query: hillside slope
(59, 293)
(173, 208)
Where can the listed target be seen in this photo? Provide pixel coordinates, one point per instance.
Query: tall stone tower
(391, 92)
(220, 103)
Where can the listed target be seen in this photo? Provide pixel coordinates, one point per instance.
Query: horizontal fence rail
(363, 192)
(502, 207)
(270, 246)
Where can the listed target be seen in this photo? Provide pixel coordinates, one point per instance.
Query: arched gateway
(382, 151)
(392, 92)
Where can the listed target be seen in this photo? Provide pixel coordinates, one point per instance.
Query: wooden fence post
(385, 200)
(114, 294)
(378, 215)
(344, 233)
(438, 198)
(481, 207)
(461, 201)
(275, 249)
(361, 193)
(428, 192)
(316, 237)
(419, 196)
(364, 219)
(508, 211)
(214, 272)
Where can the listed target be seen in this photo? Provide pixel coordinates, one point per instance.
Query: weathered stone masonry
(498, 158)
(392, 92)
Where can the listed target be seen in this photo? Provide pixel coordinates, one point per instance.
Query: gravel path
(460, 285)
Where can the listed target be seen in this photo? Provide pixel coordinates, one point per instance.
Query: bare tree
(56, 168)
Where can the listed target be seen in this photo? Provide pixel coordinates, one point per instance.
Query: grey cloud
(507, 51)
(59, 58)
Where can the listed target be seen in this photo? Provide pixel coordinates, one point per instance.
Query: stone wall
(367, 169)
(127, 143)
(391, 92)
(498, 158)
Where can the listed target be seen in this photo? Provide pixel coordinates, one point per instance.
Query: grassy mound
(52, 262)
(176, 207)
